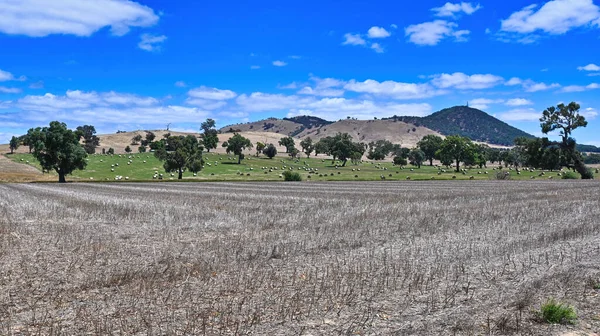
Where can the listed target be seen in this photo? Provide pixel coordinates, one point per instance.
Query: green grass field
(220, 167)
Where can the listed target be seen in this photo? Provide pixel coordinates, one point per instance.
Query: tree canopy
(416, 156)
(288, 143)
(185, 153)
(90, 140)
(566, 119)
(307, 146)
(456, 148)
(210, 137)
(236, 145)
(270, 151)
(379, 149)
(57, 148)
(430, 144)
(341, 147)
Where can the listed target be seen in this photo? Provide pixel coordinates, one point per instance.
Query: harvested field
(369, 258)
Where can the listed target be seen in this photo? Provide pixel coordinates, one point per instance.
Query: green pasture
(222, 167)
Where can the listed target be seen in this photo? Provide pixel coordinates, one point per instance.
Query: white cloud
(589, 113)
(378, 32)
(580, 88)
(392, 89)
(394, 26)
(589, 67)
(7, 76)
(451, 9)
(37, 85)
(514, 81)
(519, 102)
(462, 81)
(531, 86)
(353, 39)
(554, 18)
(254, 67)
(151, 42)
(208, 93)
(4, 89)
(327, 108)
(279, 63)
(377, 47)
(180, 84)
(79, 99)
(431, 33)
(38, 18)
(484, 103)
(324, 87)
(528, 114)
(205, 103)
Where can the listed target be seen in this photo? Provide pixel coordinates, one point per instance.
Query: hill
(397, 132)
(469, 122)
(118, 141)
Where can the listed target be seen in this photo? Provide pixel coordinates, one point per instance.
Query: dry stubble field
(422, 258)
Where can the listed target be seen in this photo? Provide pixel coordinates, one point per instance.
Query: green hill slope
(469, 122)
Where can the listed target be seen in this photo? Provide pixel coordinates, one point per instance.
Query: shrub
(588, 175)
(291, 176)
(501, 176)
(556, 312)
(400, 161)
(570, 176)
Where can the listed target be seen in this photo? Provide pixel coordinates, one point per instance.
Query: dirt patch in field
(16, 172)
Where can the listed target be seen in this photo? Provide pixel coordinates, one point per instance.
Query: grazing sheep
(358, 169)
(550, 177)
(355, 175)
(195, 174)
(144, 161)
(471, 177)
(126, 177)
(532, 178)
(382, 177)
(91, 178)
(433, 177)
(280, 176)
(408, 177)
(339, 173)
(453, 177)
(112, 170)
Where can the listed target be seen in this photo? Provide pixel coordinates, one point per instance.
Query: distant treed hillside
(469, 122)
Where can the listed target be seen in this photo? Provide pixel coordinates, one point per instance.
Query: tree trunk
(457, 165)
(11, 151)
(431, 162)
(61, 178)
(344, 164)
(180, 174)
(239, 159)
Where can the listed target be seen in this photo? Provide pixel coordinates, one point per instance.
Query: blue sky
(126, 65)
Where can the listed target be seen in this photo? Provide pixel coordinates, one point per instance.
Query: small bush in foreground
(556, 312)
(570, 176)
(501, 176)
(291, 176)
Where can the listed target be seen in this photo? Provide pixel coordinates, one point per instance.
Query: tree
(127, 149)
(323, 146)
(379, 150)
(270, 151)
(288, 143)
(259, 148)
(136, 139)
(210, 137)
(430, 144)
(293, 152)
(185, 154)
(400, 161)
(110, 151)
(14, 144)
(236, 145)
(566, 118)
(150, 136)
(307, 146)
(343, 148)
(90, 140)
(456, 148)
(416, 156)
(58, 149)
(142, 149)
